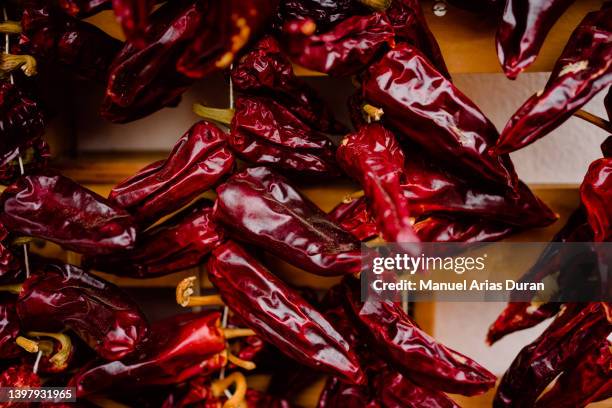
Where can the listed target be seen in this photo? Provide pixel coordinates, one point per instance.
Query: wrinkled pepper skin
(397, 391)
(198, 161)
(58, 296)
(590, 380)
(576, 329)
(426, 108)
(346, 49)
(596, 196)
(324, 13)
(227, 27)
(265, 132)
(354, 216)
(373, 157)
(518, 316)
(339, 394)
(583, 69)
(21, 121)
(196, 391)
(9, 327)
(279, 314)
(409, 24)
(183, 241)
(55, 37)
(522, 30)
(266, 71)
(50, 206)
(133, 15)
(259, 207)
(442, 228)
(83, 8)
(19, 376)
(413, 351)
(179, 348)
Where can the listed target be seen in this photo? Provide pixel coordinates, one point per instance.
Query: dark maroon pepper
(444, 228)
(83, 8)
(596, 196)
(133, 15)
(259, 207)
(9, 327)
(325, 13)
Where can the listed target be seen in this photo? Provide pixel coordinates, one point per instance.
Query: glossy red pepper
(409, 24)
(226, 28)
(21, 120)
(577, 328)
(590, 380)
(180, 347)
(596, 196)
(522, 30)
(374, 158)
(133, 15)
(289, 323)
(9, 327)
(265, 132)
(443, 228)
(354, 216)
(339, 394)
(426, 108)
(583, 69)
(346, 49)
(265, 70)
(413, 351)
(183, 241)
(259, 207)
(50, 206)
(83, 8)
(199, 160)
(518, 316)
(55, 37)
(58, 296)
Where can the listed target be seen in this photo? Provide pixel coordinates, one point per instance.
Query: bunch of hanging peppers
(428, 166)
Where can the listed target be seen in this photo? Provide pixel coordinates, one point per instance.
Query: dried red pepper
(55, 37)
(339, 394)
(596, 196)
(347, 48)
(58, 296)
(179, 347)
(9, 327)
(56, 350)
(50, 206)
(523, 28)
(397, 391)
(354, 216)
(324, 13)
(133, 15)
(576, 329)
(227, 27)
(265, 70)
(583, 69)
(518, 316)
(290, 323)
(180, 242)
(373, 157)
(21, 121)
(265, 132)
(425, 107)
(10, 266)
(413, 351)
(259, 207)
(20, 376)
(199, 160)
(83, 8)
(444, 228)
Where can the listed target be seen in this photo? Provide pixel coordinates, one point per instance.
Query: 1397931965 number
(42, 394)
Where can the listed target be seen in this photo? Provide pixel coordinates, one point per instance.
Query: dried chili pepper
(265, 70)
(523, 28)
(339, 394)
(83, 8)
(590, 380)
(34, 157)
(596, 196)
(518, 316)
(9, 327)
(583, 69)
(56, 37)
(179, 347)
(133, 15)
(324, 13)
(56, 350)
(58, 296)
(290, 323)
(444, 228)
(412, 350)
(434, 114)
(19, 376)
(354, 216)
(180, 242)
(397, 391)
(50, 206)
(347, 48)
(199, 160)
(204, 393)
(265, 132)
(409, 24)
(261, 208)
(576, 329)
(10, 267)
(373, 157)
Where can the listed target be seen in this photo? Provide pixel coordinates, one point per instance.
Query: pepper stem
(218, 387)
(594, 119)
(237, 361)
(59, 359)
(223, 116)
(185, 290)
(235, 333)
(13, 288)
(31, 346)
(11, 62)
(353, 196)
(10, 27)
(372, 113)
(21, 241)
(378, 5)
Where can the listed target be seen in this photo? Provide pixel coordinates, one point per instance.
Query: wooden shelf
(467, 40)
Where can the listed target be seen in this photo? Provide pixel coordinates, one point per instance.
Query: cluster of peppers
(431, 167)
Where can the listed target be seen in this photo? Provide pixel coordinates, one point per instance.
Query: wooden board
(467, 40)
